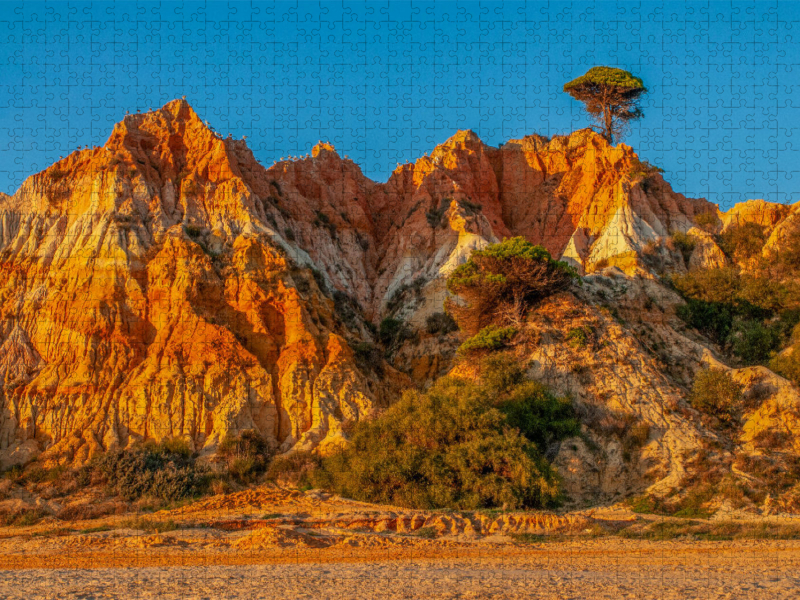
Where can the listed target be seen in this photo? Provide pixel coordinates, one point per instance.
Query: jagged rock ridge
(167, 284)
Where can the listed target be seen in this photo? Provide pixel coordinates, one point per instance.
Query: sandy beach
(601, 569)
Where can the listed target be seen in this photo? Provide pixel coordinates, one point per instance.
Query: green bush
(749, 313)
(319, 278)
(459, 445)
(175, 446)
(368, 356)
(193, 231)
(736, 310)
(636, 436)
(434, 215)
(642, 168)
(471, 208)
(295, 468)
(501, 372)
(767, 294)
(578, 337)
(707, 221)
(323, 220)
(789, 325)
(489, 338)
(685, 244)
(787, 365)
(393, 332)
(246, 455)
(57, 173)
(716, 393)
(542, 417)
(712, 318)
(744, 241)
(347, 308)
(165, 471)
(440, 323)
(24, 517)
(718, 285)
(501, 276)
(754, 342)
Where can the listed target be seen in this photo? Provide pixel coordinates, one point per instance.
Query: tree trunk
(609, 124)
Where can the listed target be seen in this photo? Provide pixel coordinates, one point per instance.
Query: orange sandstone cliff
(167, 284)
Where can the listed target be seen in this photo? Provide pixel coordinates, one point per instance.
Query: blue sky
(387, 81)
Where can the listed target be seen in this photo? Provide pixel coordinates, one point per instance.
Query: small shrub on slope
(393, 332)
(440, 323)
(707, 221)
(786, 255)
(685, 243)
(642, 168)
(489, 338)
(716, 393)
(297, 469)
(579, 337)
(246, 455)
(788, 365)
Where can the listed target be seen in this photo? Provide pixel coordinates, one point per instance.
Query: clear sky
(387, 81)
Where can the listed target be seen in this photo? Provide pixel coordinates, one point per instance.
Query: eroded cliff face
(167, 284)
(580, 198)
(145, 293)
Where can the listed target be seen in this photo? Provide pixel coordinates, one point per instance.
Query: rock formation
(166, 284)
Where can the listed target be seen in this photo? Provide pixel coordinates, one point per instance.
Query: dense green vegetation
(743, 242)
(461, 445)
(164, 471)
(503, 278)
(751, 307)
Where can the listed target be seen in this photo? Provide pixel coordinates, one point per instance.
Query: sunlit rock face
(167, 284)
